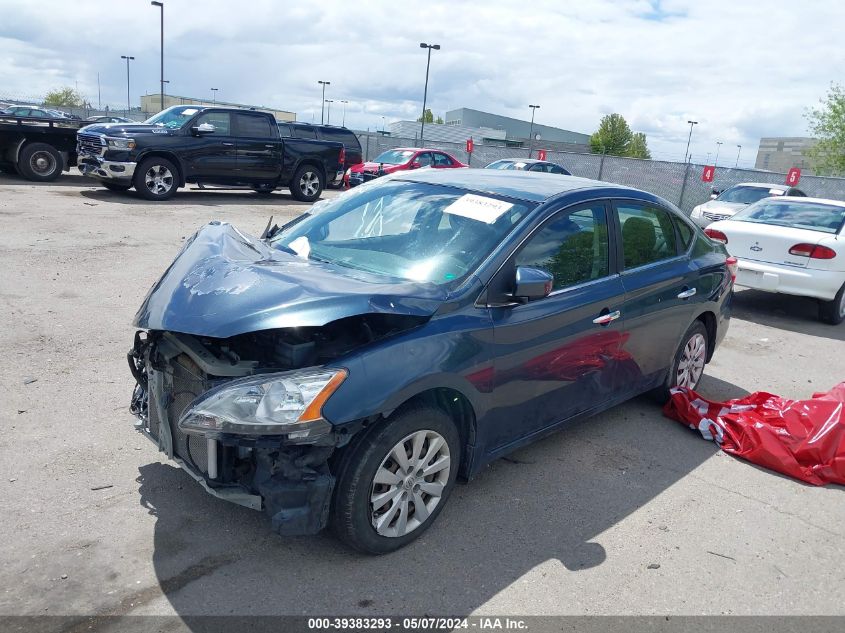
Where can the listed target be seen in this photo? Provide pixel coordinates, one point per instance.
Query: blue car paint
(225, 283)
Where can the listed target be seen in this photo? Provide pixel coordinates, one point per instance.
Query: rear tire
(307, 184)
(114, 186)
(688, 365)
(833, 312)
(40, 162)
(381, 516)
(156, 179)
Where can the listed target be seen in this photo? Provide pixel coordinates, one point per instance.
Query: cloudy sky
(742, 69)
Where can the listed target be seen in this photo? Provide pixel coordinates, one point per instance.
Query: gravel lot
(572, 525)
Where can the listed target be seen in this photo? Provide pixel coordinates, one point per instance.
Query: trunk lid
(767, 242)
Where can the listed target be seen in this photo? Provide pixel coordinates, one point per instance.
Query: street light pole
(160, 5)
(128, 105)
(344, 102)
(531, 130)
(718, 147)
(214, 96)
(738, 150)
(329, 113)
(689, 138)
(323, 104)
(383, 120)
(425, 90)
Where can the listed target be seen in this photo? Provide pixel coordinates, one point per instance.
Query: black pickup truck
(206, 145)
(37, 148)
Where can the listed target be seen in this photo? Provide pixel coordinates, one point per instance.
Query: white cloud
(740, 70)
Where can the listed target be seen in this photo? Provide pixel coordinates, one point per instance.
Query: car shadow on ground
(785, 312)
(65, 180)
(201, 197)
(549, 502)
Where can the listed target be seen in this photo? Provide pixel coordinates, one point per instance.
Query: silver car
(723, 205)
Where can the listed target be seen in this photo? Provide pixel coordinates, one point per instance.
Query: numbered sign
(793, 176)
(541, 154)
(708, 173)
(469, 146)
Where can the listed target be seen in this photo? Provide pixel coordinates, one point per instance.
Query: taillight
(716, 236)
(342, 157)
(813, 251)
(733, 265)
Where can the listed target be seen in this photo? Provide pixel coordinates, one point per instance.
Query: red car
(399, 159)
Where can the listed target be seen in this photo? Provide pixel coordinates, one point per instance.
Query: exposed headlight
(121, 143)
(289, 404)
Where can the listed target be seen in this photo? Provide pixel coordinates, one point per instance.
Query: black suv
(354, 154)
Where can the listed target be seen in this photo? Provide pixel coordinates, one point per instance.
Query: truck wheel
(307, 184)
(833, 312)
(115, 186)
(40, 162)
(156, 179)
(393, 485)
(263, 188)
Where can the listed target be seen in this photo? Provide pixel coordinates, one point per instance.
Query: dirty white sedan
(790, 245)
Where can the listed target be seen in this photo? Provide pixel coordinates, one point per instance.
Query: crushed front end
(234, 414)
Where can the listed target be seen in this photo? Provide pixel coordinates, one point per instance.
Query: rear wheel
(307, 184)
(688, 364)
(40, 162)
(156, 179)
(833, 312)
(396, 482)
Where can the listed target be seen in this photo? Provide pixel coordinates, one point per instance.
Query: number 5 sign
(793, 176)
(541, 154)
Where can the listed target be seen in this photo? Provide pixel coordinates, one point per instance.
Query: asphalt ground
(626, 513)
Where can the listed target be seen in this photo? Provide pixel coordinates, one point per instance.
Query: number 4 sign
(707, 174)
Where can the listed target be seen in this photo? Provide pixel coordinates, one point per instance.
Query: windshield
(394, 156)
(799, 215)
(500, 164)
(174, 117)
(405, 230)
(747, 195)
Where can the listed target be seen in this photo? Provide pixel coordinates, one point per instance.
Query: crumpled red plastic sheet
(804, 439)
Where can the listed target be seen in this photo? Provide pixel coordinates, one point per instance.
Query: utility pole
(425, 90)
(531, 130)
(128, 105)
(718, 147)
(214, 96)
(329, 114)
(323, 104)
(738, 150)
(99, 95)
(344, 102)
(689, 138)
(160, 5)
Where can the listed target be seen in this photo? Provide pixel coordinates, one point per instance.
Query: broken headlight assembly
(286, 403)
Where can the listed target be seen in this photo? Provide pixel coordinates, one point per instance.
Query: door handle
(228, 144)
(686, 294)
(606, 319)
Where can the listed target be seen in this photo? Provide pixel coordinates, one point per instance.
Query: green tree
(638, 148)
(429, 116)
(63, 97)
(827, 124)
(613, 136)
(439, 120)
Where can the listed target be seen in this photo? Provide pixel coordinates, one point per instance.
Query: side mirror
(714, 193)
(202, 129)
(531, 284)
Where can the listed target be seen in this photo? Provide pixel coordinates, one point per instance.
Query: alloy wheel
(309, 183)
(42, 163)
(842, 304)
(158, 179)
(409, 483)
(691, 363)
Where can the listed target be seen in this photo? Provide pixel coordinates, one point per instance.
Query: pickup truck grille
(90, 144)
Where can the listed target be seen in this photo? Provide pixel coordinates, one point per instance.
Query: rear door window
(648, 235)
(284, 130)
(441, 160)
(253, 126)
(341, 136)
(300, 131)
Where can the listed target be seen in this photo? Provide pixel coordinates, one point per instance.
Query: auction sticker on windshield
(479, 208)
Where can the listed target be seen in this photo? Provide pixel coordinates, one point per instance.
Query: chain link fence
(679, 183)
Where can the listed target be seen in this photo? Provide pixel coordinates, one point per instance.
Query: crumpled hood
(224, 283)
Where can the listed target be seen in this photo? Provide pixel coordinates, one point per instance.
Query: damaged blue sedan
(345, 369)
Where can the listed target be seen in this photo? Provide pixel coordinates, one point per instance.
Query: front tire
(307, 184)
(40, 162)
(833, 312)
(395, 483)
(156, 179)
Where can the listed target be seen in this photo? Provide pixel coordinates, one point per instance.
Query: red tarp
(804, 439)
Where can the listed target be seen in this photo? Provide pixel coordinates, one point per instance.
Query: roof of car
(762, 185)
(520, 160)
(832, 203)
(533, 186)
